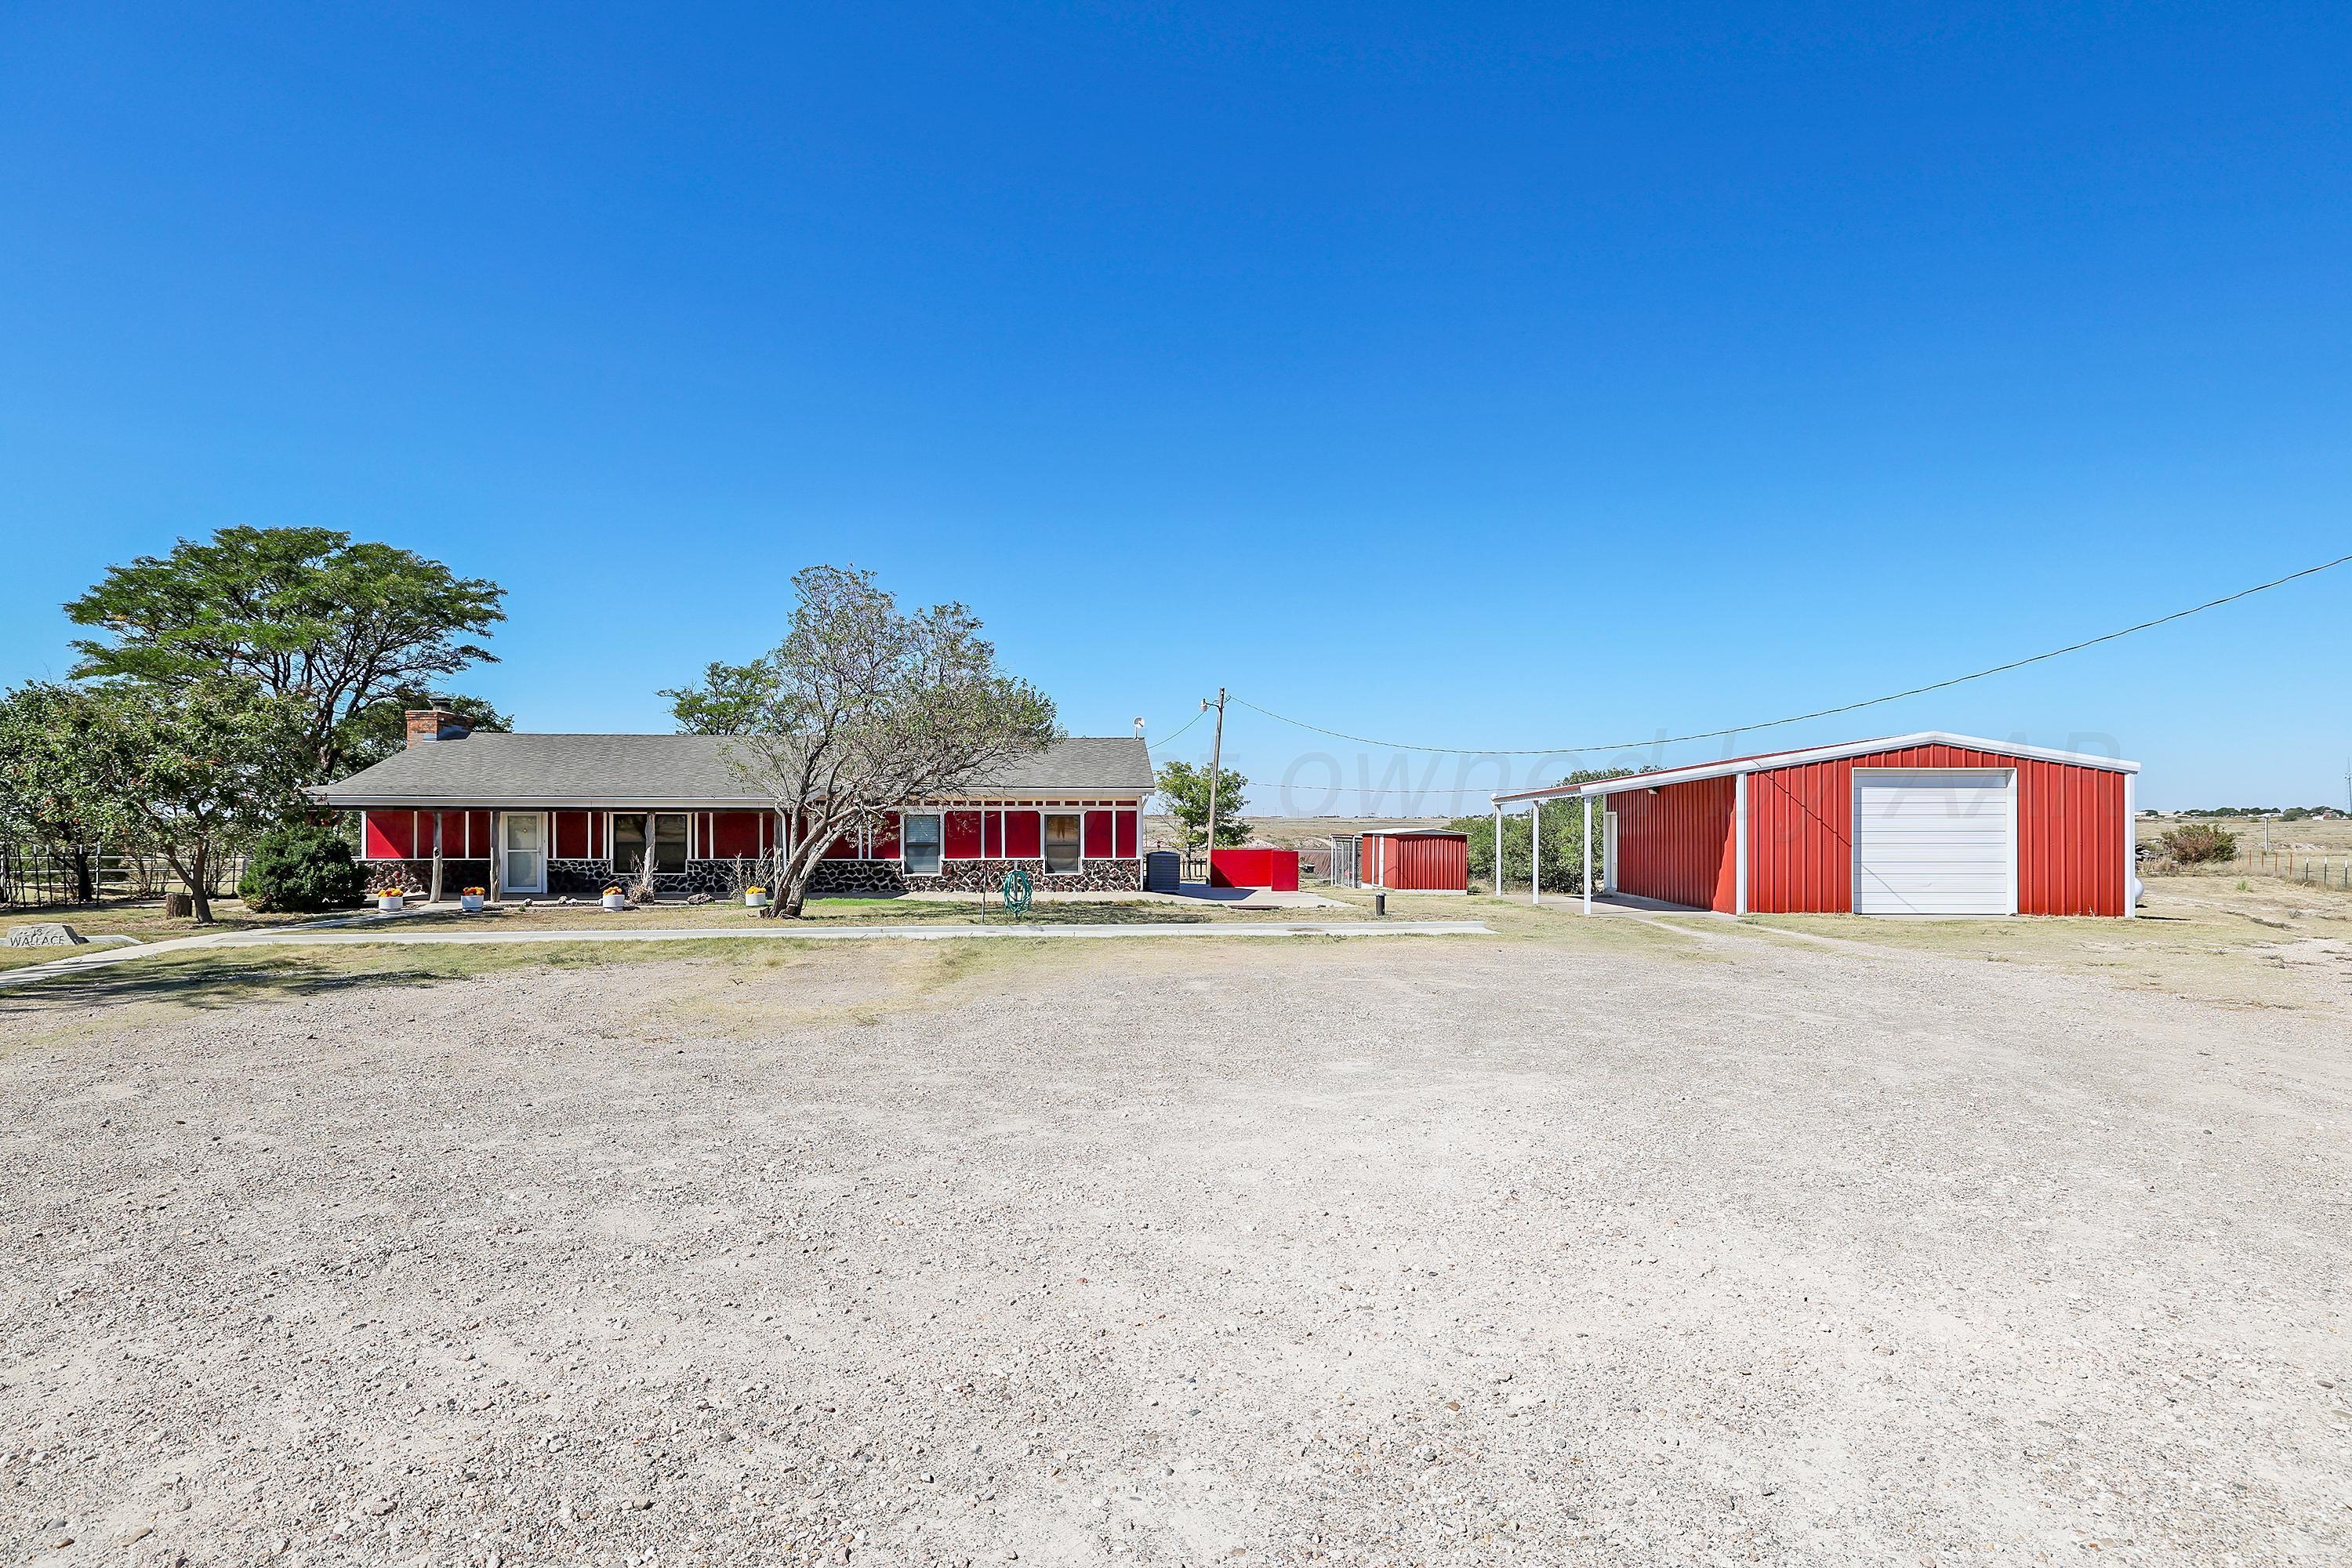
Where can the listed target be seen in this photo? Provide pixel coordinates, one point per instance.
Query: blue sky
(1501, 376)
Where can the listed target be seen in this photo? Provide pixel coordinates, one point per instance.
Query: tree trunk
(84, 875)
(195, 874)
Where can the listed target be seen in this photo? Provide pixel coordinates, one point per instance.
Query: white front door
(1933, 841)
(525, 869)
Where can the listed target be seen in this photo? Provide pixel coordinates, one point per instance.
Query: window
(629, 831)
(628, 843)
(921, 841)
(1061, 842)
(669, 841)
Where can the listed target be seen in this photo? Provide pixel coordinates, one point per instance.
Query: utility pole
(1216, 761)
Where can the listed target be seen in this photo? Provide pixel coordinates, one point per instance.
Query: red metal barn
(1926, 824)
(1415, 861)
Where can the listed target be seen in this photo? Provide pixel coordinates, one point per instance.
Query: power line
(1818, 712)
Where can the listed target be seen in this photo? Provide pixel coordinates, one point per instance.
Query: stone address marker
(47, 934)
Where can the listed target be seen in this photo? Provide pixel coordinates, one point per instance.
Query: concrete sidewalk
(313, 937)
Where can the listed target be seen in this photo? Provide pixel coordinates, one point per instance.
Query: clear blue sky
(1482, 376)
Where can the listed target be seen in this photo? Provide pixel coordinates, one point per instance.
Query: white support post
(1499, 849)
(1588, 854)
(1535, 853)
(1739, 846)
(2131, 846)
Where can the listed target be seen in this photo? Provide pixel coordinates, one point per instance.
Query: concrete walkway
(312, 936)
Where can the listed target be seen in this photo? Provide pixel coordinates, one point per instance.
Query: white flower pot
(755, 901)
(617, 900)
(470, 902)
(390, 903)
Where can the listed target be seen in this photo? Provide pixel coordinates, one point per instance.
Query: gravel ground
(1439, 1251)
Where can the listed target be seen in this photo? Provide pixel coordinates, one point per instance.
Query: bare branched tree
(871, 708)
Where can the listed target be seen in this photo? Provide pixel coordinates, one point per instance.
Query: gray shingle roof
(682, 770)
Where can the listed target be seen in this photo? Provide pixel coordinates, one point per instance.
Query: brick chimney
(435, 724)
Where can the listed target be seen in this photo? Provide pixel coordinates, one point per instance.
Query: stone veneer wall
(587, 879)
(455, 875)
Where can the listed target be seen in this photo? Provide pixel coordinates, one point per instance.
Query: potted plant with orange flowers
(470, 900)
(615, 900)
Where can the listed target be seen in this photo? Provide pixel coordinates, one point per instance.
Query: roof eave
(1777, 760)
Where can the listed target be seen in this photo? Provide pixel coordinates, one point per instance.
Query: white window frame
(938, 842)
(1044, 842)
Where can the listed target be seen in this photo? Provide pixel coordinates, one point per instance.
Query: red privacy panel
(390, 835)
(1124, 839)
(960, 836)
(886, 837)
(571, 835)
(992, 835)
(734, 833)
(1098, 837)
(1024, 836)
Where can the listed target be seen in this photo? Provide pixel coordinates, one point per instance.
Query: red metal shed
(1924, 823)
(1415, 860)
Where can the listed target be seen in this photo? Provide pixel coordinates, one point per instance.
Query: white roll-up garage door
(1931, 842)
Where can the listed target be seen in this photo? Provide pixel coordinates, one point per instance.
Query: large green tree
(866, 708)
(53, 794)
(304, 615)
(729, 702)
(1185, 790)
(206, 765)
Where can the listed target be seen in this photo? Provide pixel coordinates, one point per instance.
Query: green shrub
(300, 869)
(2192, 842)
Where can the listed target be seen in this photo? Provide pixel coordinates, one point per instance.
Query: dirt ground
(1620, 1242)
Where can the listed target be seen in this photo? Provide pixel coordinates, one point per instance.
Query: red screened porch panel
(571, 835)
(735, 834)
(992, 835)
(1100, 836)
(1123, 844)
(1024, 836)
(960, 836)
(390, 835)
(883, 839)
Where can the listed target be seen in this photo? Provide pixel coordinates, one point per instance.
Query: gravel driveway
(1433, 1251)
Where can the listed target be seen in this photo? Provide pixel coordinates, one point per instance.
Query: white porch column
(1588, 854)
(1739, 844)
(1535, 853)
(1499, 849)
(2131, 846)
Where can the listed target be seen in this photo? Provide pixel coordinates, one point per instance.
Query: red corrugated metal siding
(2070, 832)
(1416, 862)
(1678, 844)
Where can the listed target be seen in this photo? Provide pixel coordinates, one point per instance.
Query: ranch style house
(553, 815)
